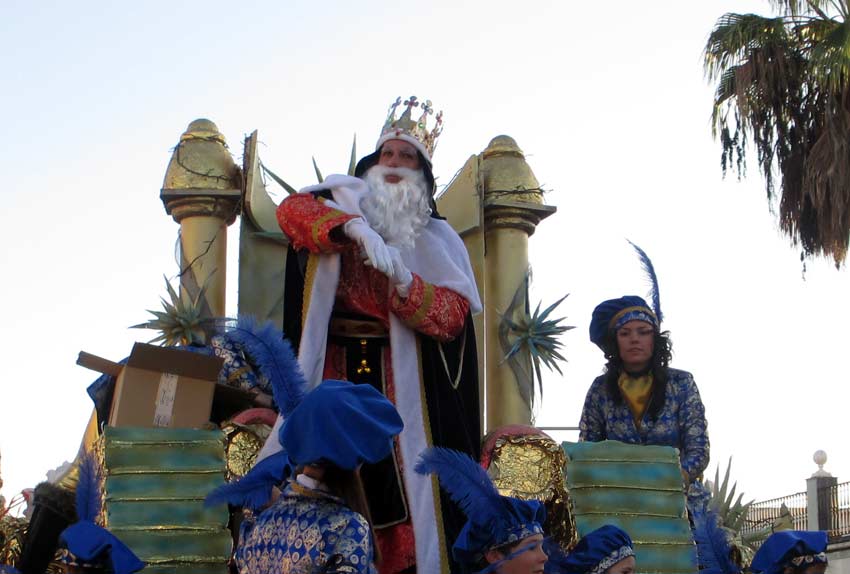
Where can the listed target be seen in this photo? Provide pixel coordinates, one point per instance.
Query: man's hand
(401, 277)
(371, 244)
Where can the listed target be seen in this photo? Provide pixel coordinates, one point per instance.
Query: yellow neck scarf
(636, 391)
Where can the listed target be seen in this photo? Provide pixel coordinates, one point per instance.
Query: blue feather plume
(713, 548)
(88, 489)
(254, 490)
(467, 483)
(649, 269)
(273, 355)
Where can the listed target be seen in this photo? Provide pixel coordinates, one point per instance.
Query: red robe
(433, 311)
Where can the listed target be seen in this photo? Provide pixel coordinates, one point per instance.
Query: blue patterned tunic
(301, 532)
(681, 423)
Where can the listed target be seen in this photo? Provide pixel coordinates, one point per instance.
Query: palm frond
(783, 84)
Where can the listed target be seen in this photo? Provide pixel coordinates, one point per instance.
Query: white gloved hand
(371, 244)
(401, 277)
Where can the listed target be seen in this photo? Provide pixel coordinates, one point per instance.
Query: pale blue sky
(609, 103)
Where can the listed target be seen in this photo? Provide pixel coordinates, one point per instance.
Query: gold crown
(418, 130)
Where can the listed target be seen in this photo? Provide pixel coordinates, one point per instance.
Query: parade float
(172, 422)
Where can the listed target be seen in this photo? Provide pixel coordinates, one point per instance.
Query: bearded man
(380, 291)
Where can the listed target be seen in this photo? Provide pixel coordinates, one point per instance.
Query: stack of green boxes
(639, 489)
(155, 483)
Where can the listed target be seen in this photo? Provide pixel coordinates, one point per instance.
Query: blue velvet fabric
(681, 422)
(620, 311)
(87, 543)
(782, 548)
(301, 532)
(511, 522)
(342, 423)
(595, 553)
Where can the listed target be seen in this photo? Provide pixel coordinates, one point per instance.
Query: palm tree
(783, 85)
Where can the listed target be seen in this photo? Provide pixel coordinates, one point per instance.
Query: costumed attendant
(502, 534)
(606, 550)
(85, 546)
(320, 522)
(639, 399)
(792, 552)
(379, 290)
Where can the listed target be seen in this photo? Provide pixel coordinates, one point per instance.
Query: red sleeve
(308, 223)
(431, 310)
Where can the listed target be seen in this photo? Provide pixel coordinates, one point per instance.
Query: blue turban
(596, 552)
(87, 543)
(493, 520)
(612, 314)
(794, 548)
(341, 423)
(510, 521)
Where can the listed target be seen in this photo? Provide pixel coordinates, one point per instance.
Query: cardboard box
(161, 387)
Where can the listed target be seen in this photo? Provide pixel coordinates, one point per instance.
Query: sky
(608, 102)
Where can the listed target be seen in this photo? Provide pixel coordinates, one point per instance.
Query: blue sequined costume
(681, 422)
(301, 533)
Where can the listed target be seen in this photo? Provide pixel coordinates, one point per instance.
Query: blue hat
(595, 552)
(612, 314)
(794, 548)
(87, 544)
(493, 520)
(341, 423)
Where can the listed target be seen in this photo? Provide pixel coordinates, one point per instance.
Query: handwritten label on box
(165, 394)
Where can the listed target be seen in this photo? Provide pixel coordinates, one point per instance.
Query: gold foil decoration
(532, 467)
(13, 532)
(243, 443)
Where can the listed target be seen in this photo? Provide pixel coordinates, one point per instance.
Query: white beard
(397, 211)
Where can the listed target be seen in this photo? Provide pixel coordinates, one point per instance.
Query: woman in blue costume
(320, 523)
(639, 399)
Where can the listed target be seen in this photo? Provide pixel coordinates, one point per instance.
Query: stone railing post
(818, 497)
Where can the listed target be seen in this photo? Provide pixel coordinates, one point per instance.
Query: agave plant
(182, 320)
(352, 163)
(732, 513)
(532, 335)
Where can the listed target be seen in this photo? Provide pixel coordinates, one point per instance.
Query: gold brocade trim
(622, 312)
(309, 279)
(314, 231)
(427, 300)
(435, 485)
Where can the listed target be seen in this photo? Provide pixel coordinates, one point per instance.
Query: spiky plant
(352, 163)
(533, 336)
(732, 513)
(783, 84)
(182, 320)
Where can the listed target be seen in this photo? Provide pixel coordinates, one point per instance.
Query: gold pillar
(202, 191)
(513, 206)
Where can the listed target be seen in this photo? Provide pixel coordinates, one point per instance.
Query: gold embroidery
(314, 232)
(422, 311)
(309, 278)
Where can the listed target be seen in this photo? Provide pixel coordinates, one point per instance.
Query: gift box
(160, 387)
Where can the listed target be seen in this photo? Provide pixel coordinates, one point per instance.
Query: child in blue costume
(320, 522)
(792, 552)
